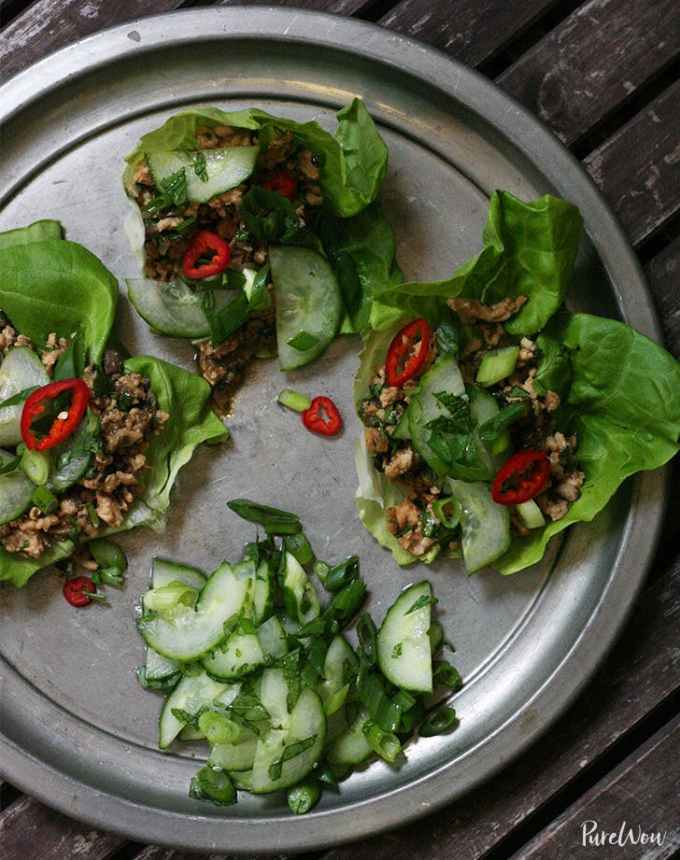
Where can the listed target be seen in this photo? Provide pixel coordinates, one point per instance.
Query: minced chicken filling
(169, 234)
(127, 418)
(413, 521)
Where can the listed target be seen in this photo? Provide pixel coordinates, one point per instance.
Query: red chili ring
(206, 244)
(402, 362)
(523, 476)
(61, 428)
(282, 182)
(322, 417)
(76, 591)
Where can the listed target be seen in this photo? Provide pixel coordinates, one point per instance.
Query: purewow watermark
(593, 836)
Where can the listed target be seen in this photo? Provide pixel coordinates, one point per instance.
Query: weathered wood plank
(638, 168)
(51, 24)
(639, 796)
(594, 61)
(664, 275)
(642, 671)
(470, 30)
(30, 830)
(337, 7)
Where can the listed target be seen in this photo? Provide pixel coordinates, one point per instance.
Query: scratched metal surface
(76, 730)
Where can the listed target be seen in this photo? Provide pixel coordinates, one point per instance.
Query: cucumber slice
(351, 748)
(339, 667)
(189, 733)
(497, 364)
(306, 721)
(163, 572)
(307, 300)
(300, 598)
(16, 491)
(173, 308)
(404, 651)
(531, 514)
(484, 407)
(159, 668)
(274, 697)
(191, 633)
(240, 756)
(424, 407)
(191, 694)
(484, 524)
(242, 779)
(263, 593)
(73, 458)
(238, 656)
(20, 369)
(226, 168)
(272, 638)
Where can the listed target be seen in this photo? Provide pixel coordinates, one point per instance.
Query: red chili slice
(408, 352)
(520, 478)
(283, 183)
(208, 255)
(77, 591)
(62, 427)
(322, 417)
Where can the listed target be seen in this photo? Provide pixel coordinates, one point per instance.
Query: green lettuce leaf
(624, 406)
(529, 249)
(362, 251)
(353, 162)
(58, 286)
(184, 396)
(38, 231)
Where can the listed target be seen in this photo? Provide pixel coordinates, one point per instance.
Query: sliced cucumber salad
(255, 662)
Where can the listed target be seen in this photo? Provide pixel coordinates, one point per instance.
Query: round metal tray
(76, 730)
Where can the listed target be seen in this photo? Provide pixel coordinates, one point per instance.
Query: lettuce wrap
(618, 389)
(51, 285)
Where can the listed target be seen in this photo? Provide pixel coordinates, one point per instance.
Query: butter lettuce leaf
(353, 162)
(624, 407)
(529, 249)
(185, 397)
(58, 286)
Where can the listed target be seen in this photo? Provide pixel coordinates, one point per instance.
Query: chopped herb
(397, 650)
(290, 752)
(200, 167)
(20, 397)
(303, 341)
(421, 602)
(172, 193)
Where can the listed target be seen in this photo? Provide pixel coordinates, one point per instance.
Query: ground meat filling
(169, 234)
(412, 521)
(128, 417)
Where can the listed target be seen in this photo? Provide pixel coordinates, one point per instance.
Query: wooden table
(604, 75)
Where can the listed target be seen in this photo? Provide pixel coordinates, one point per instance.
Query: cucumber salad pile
(253, 661)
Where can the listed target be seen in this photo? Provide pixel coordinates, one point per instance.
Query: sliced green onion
(304, 797)
(213, 784)
(36, 466)
(108, 554)
(342, 574)
(45, 500)
(298, 546)
(321, 569)
(167, 597)
(384, 744)
(439, 722)
(448, 511)
(368, 637)
(273, 520)
(218, 728)
(294, 400)
(446, 675)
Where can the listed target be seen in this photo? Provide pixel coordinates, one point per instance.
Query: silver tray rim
(420, 797)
